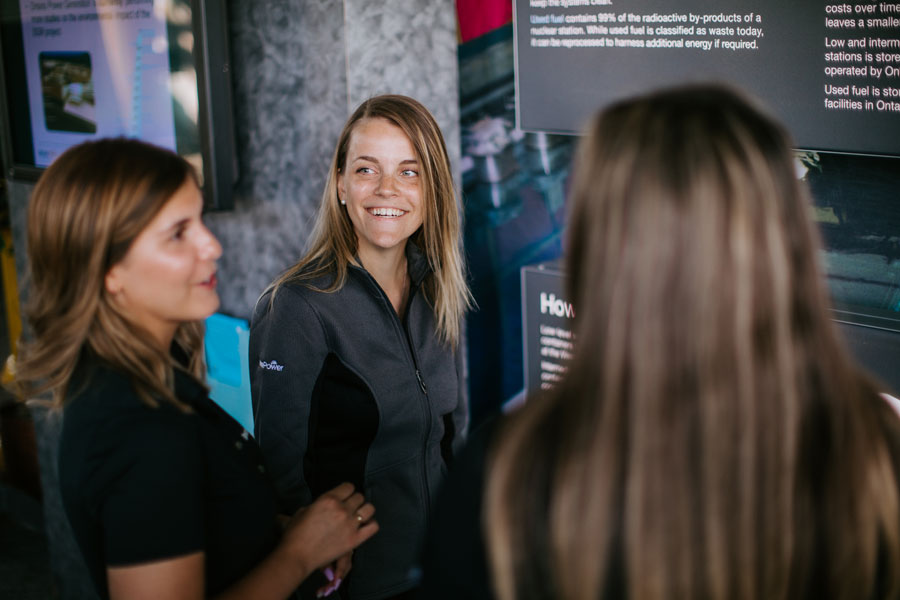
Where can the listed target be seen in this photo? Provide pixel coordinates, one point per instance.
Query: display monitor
(829, 70)
(155, 70)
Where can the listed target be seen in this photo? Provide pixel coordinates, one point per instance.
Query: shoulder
(98, 391)
(110, 435)
(289, 314)
(105, 409)
(292, 293)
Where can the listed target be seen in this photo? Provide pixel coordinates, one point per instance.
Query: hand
(329, 528)
(335, 573)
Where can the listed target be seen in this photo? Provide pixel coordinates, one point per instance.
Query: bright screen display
(103, 68)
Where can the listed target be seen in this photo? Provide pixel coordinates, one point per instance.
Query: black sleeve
(147, 490)
(454, 561)
(461, 412)
(288, 347)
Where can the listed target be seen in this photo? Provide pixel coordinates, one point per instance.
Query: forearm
(275, 578)
(330, 528)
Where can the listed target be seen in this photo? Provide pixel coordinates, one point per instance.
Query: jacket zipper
(428, 419)
(421, 383)
(412, 354)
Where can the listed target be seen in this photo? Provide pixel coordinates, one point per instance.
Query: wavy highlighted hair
(85, 212)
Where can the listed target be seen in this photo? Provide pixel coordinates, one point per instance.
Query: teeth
(387, 212)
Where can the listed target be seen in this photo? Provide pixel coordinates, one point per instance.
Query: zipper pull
(421, 383)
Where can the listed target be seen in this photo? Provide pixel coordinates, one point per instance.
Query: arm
(454, 558)
(287, 349)
(176, 578)
(314, 537)
(461, 412)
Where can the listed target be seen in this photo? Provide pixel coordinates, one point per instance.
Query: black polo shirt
(141, 484)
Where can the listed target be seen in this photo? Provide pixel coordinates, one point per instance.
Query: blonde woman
(711, 438)
(166, 494)
(354, 349)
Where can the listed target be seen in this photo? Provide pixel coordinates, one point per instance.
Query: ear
(112, 281)
(341, 191)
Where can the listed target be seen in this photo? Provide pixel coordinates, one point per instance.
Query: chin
(391, 242)
(207, 310)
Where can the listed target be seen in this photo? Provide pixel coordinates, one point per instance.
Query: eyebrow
(183, 222)
(408, 161)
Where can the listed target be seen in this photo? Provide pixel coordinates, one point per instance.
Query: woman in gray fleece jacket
(353, 350)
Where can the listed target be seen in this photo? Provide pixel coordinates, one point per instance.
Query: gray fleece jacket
(345, 390)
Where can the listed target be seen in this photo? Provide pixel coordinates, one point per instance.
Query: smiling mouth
(211, 282)
(386, 212)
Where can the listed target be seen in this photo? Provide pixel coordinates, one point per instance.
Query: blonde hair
(711, 438)
(333, 243)
(84, 213)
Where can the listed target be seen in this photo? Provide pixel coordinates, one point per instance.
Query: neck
(164, 338)
(390, 271)
(159, 333)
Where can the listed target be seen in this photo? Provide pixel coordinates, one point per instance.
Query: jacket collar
(416, 264)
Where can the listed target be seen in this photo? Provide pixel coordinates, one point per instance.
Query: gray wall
(300, 67)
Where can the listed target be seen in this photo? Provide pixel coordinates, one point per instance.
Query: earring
(343, 202)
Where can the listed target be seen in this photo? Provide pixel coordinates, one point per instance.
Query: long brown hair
(333, 243)
(85, 211)
(711, 438)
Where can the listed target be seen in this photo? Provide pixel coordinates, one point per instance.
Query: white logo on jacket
(271, 366)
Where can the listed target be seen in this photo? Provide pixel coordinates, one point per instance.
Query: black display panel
(830, 70)
(548, 321)
(155, 70)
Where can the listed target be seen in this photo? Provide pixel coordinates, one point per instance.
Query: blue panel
(227, 363)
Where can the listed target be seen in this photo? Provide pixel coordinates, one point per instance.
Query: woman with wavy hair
(166, 494)
(353, 349)
(711, 438)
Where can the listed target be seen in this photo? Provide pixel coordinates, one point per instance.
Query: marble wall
(300, 67)
(415, 54)
(289, 86)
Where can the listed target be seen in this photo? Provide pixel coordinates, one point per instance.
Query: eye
(409, 173)
(365, 170)
(180, 232)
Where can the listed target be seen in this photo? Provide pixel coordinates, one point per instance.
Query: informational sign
(97, 68)
(830, 70)
(547, 326)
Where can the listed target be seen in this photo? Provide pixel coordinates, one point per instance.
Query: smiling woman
(164, 491)
(366, 327)
(381, 190)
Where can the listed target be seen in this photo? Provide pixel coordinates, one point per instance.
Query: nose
(208, 246)
(386, 185)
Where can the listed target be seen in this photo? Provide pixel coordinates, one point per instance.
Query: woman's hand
(328, 529)
(335, 574)
(317, 535)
